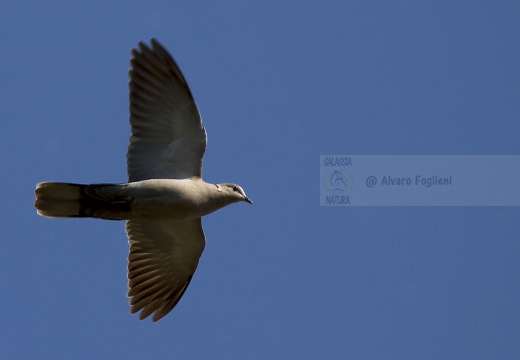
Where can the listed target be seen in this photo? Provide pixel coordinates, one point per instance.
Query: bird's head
(234, 191)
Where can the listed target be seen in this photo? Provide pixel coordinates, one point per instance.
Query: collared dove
(165, 196)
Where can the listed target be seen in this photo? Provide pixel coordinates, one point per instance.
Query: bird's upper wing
(168, 138)
(163, 258)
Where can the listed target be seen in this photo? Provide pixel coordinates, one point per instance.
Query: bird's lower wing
(163, 258)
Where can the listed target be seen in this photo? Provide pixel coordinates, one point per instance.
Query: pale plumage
(165, 197)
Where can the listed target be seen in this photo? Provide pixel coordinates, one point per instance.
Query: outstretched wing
(168, 138)
(163, 258)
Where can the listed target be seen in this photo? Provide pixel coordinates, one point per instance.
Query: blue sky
(278, 84)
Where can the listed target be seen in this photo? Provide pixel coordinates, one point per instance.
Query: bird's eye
(235, 188)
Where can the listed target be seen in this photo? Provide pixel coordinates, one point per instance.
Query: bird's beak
(248, 200)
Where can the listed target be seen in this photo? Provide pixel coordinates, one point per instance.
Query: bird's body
(165, 197)
(172, 199)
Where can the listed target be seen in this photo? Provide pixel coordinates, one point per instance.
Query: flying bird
(165, 196)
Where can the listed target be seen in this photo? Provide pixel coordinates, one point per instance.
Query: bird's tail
(64, 200)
